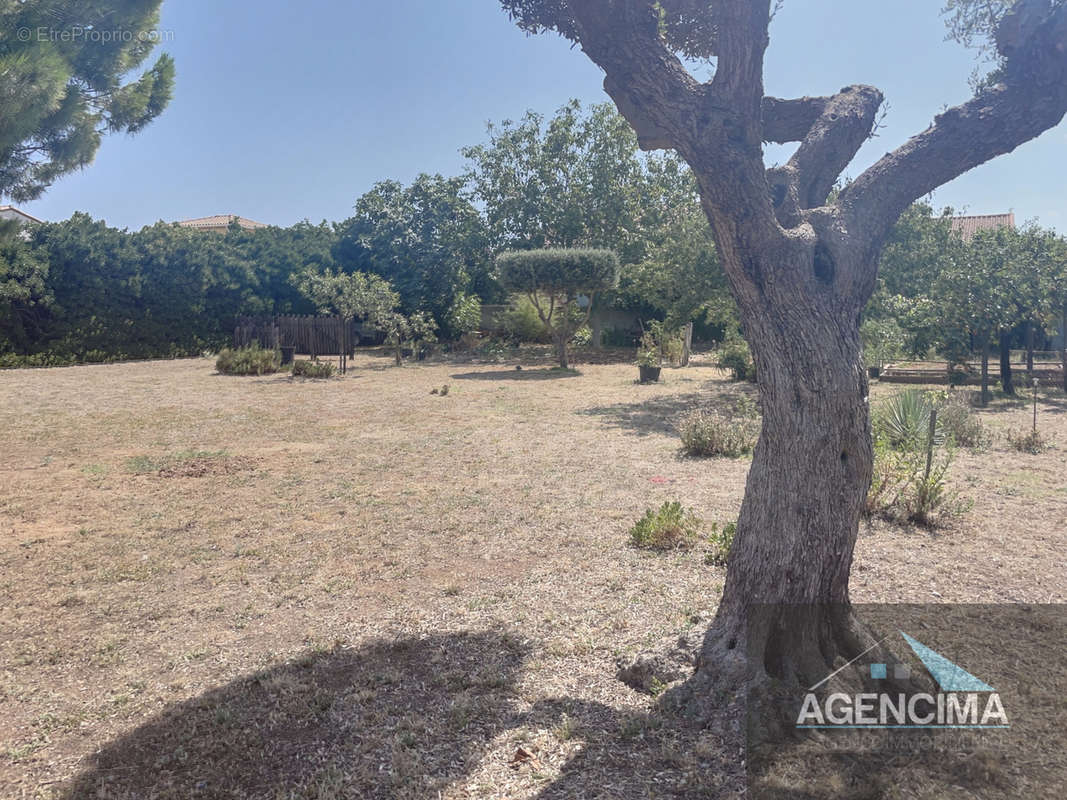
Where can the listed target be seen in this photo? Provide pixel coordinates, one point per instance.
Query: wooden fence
(308, 335)
(1046, 374)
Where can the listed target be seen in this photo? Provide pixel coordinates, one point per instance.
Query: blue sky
(285, 111)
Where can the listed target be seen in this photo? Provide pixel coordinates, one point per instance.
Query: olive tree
(801, 266)
(555, 280)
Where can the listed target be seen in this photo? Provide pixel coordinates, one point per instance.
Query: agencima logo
(963, 702)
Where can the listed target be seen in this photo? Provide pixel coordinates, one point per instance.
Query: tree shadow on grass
(399, 718)
(661, 414)
(406, 718)
(415, 718)
(545, 374)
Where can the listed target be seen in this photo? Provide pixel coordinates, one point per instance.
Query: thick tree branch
(1031, 98)
(841, 125)
(833, 141)
(742, 41)
(790, 120)
(648, 83)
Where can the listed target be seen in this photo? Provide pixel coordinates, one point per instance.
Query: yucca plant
(904, 420)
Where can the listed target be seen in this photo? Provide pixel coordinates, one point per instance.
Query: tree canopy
(554, 279)
(62, 67)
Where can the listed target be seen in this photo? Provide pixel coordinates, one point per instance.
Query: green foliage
(667, 528)
(658, 344)
(558, 271)
(553, 280)
(465, 316)
(312, 369)
(720, 541)
(735, 356)
(350, 295)
(903, 420)
(99, 293)
(680, 278)
(427, 240)
(412, 331)
(520, 322)
(883, 341)
(252, 360)
(903, 490)
(25, 295)
(706, 433)
(575, 181)
(62, 93)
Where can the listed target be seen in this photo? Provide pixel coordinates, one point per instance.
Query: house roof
(967, 227)
(221, 221)
(21, 213)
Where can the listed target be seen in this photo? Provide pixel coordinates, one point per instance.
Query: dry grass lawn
(264, 587)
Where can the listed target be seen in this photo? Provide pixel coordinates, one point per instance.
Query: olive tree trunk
(801, 267)
(561, 351)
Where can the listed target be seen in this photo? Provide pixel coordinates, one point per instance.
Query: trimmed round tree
(554, 279)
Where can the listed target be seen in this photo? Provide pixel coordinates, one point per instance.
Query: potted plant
(649, 360)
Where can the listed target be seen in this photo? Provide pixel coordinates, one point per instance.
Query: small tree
(413, 330)
(554, 279)
(352, 295)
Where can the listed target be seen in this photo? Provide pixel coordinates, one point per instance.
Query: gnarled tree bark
(801, 270)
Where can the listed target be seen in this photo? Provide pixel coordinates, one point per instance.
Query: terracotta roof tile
(968, 226)
(221, 221)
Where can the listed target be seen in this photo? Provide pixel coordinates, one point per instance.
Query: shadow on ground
(406, 718)
(662, 414)
(546, 374)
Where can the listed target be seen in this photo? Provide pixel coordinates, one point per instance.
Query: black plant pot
(287, 355)
(648, 374)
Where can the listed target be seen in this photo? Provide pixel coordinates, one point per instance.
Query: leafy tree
(579, 180)
(970, 296)
(350, 296)
(573, 181)
(61, 85)
(680, 279)
(426, 239)
(408, 331)
(801, 266)
(554, 279)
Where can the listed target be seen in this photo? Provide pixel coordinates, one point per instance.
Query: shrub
(721, 540)
(312, 369)
(252, 360)
(1031, 442)
(521, 323)
(735, 356)
(959, 422)
(903, 490)
(666, 529)
(708, 433)
(903, 420)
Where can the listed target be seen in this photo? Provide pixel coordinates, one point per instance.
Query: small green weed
(720, 541)
(669, 527)
(312, 369)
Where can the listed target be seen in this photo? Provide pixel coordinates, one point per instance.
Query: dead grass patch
(392, 593)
